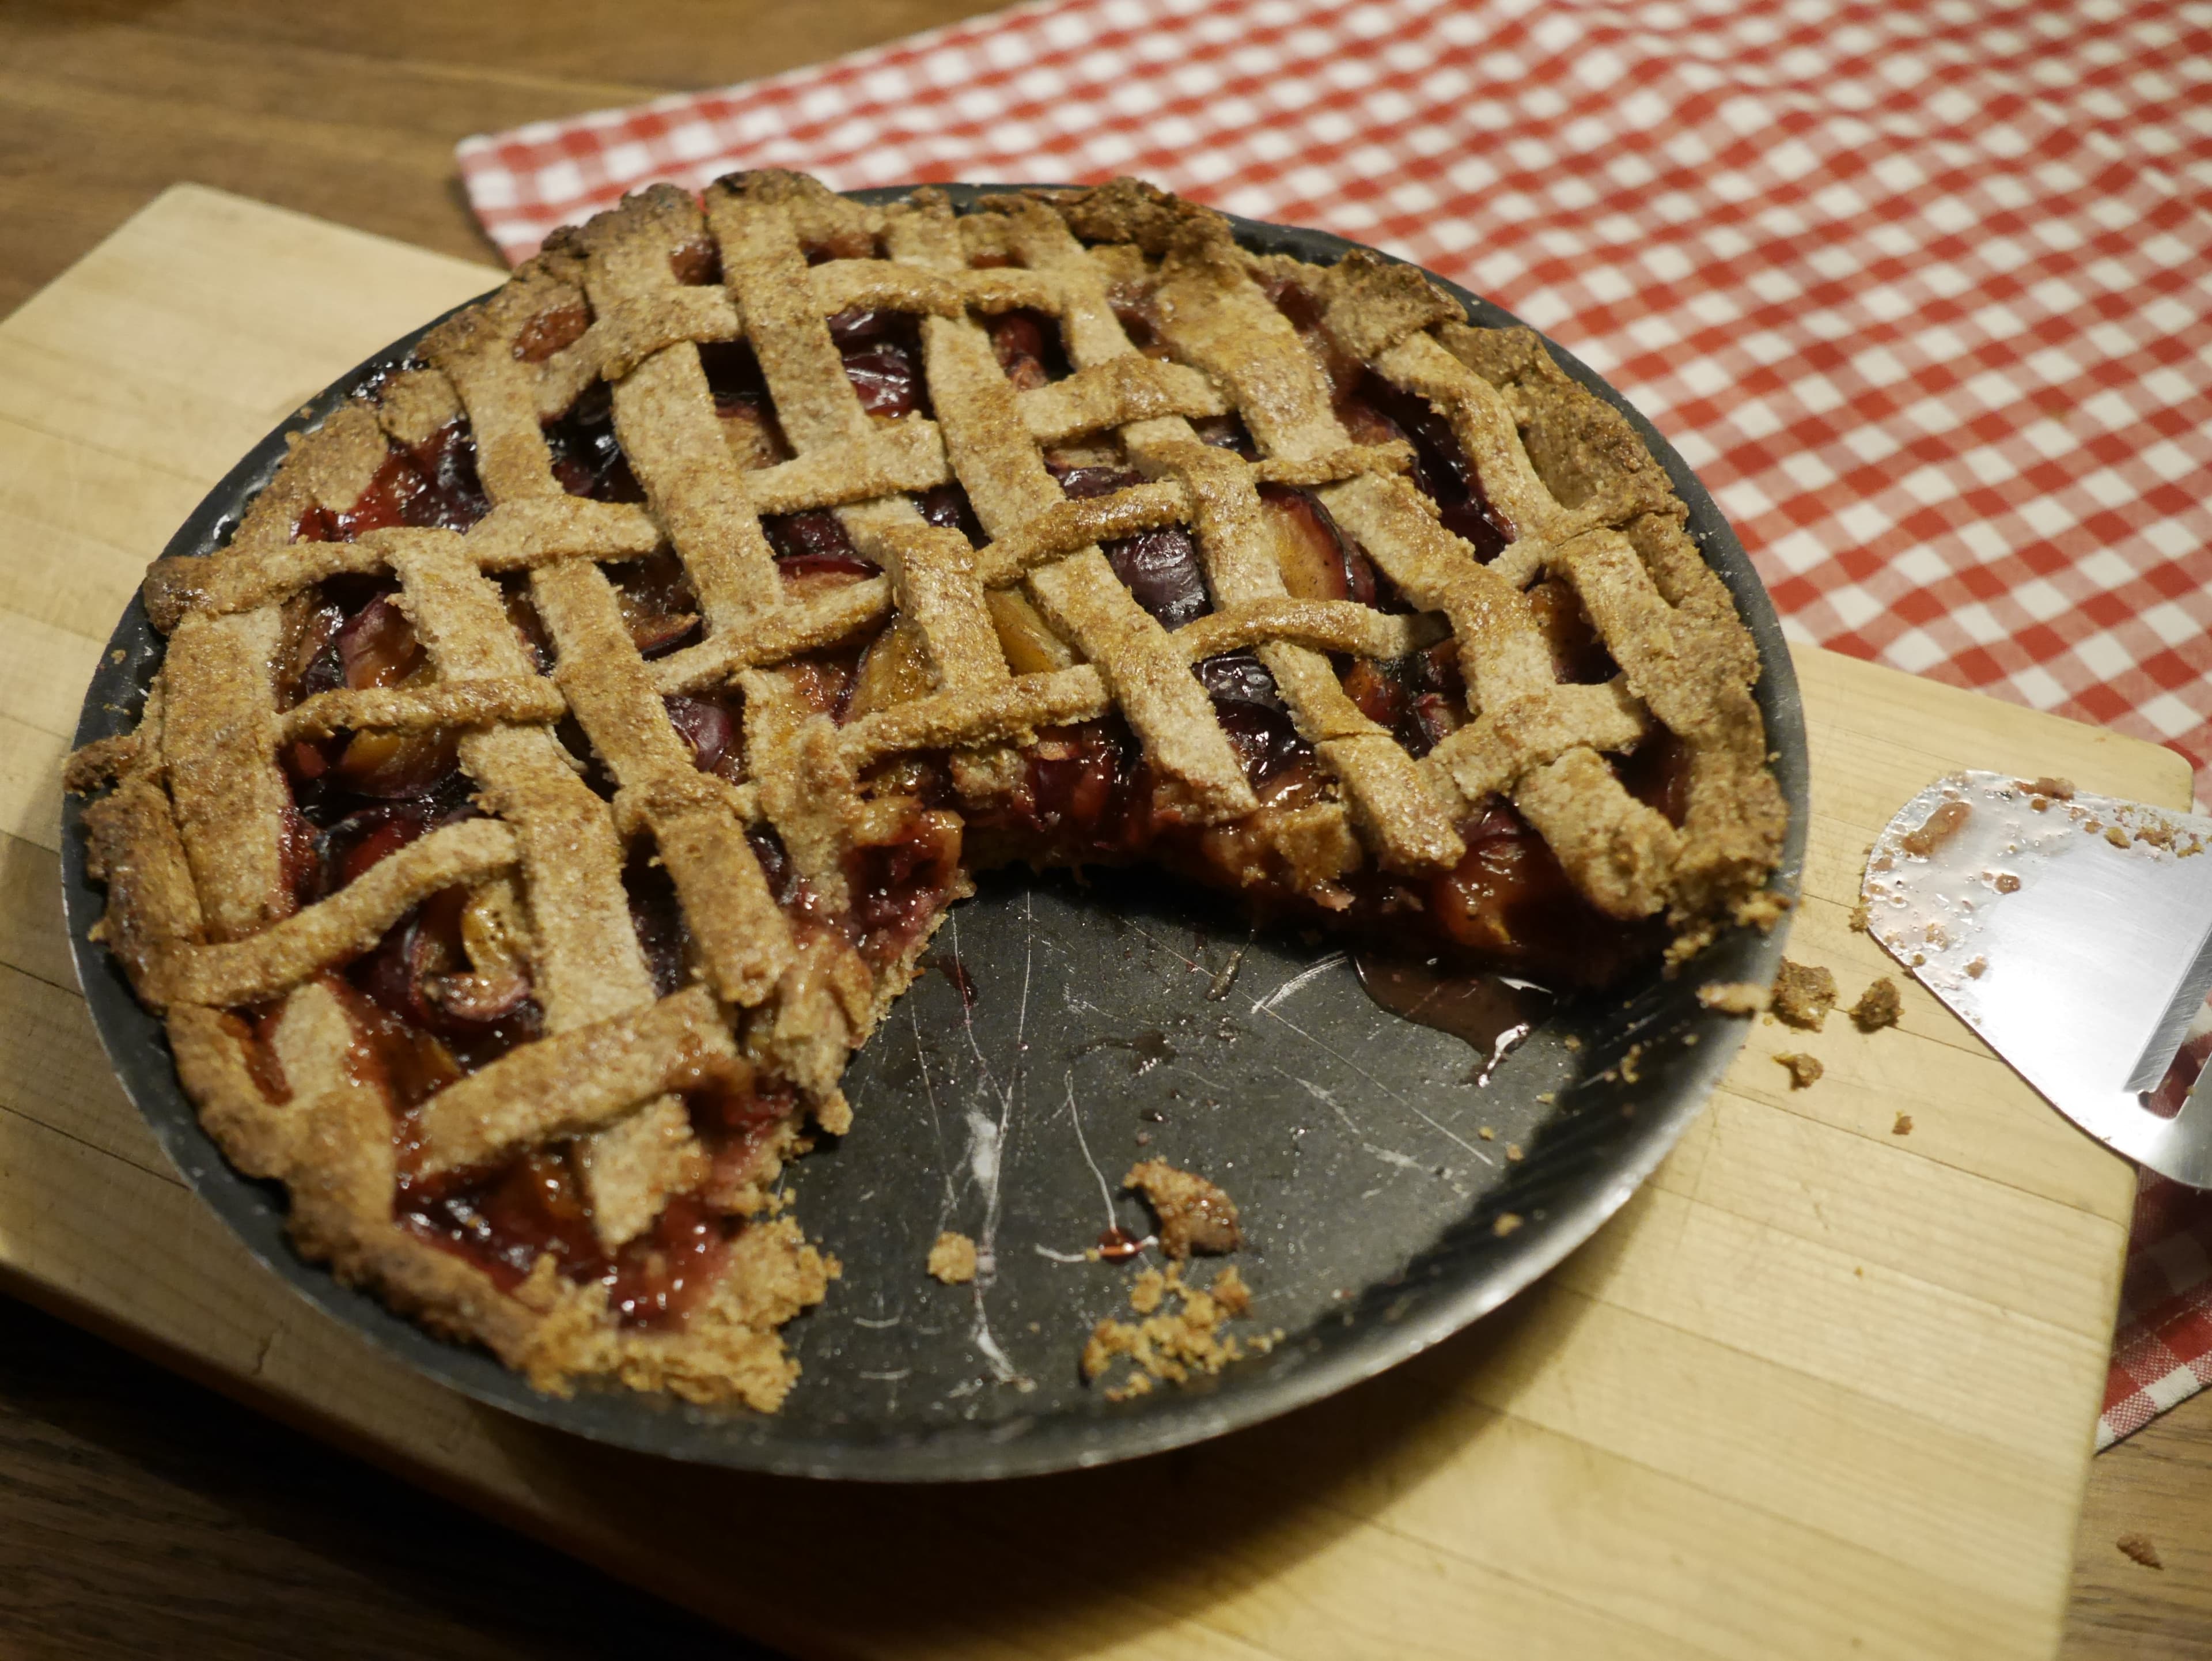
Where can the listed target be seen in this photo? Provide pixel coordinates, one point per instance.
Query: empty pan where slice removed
(1063, 1031)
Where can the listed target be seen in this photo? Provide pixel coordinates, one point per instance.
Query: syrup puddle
(1492, 1013)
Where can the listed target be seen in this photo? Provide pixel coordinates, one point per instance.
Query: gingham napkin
(2162, 1349)
(1924, 292)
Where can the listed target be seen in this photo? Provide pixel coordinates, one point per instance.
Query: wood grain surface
(133, 1503)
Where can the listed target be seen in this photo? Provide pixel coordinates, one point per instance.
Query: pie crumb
(1506, 1223)
(1878, 1006)
(2058, 790)
(2116, 836)
(834, 1113)
(1762, 910)
(1860, 917)
(1174, 1345)
(1734, 997)
(952, 1259)
(1903, 1126)
(1803, 1069)
(1803, 997)
(1230, 1292)
(2138, 1548)
(1195, 1215)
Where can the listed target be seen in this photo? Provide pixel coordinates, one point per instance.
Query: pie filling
(428, 1013)
(457, 983)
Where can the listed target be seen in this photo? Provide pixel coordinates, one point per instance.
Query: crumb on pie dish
(1194, 1214)
(567, 760)
(952, 1259)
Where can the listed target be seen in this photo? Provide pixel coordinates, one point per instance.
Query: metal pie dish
(1105, 1027)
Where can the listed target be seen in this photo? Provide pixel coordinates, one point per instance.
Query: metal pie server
(2073, 932)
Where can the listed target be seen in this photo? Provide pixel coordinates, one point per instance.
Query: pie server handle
(2073, 932)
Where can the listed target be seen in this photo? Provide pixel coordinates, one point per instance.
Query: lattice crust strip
(1167, 330)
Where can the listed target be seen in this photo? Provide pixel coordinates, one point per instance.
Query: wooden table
(130, 1504)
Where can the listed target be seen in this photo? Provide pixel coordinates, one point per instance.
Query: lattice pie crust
(1083, 373)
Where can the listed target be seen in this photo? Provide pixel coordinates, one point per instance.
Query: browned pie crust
(1031, 630)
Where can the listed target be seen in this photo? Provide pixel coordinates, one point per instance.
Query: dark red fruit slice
(1253, 714)
(1318, 560)
(883, 360)
(588, 457)
(711, 729)
(1027, 344)
(1375, 411)
(1160, 567)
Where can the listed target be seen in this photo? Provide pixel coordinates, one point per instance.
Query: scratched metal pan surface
(1111, 1022)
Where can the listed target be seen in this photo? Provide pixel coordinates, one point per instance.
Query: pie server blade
(2073, 933)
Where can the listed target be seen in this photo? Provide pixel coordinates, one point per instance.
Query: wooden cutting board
(1824, 1388)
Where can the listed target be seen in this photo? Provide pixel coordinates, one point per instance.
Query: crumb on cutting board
(952, 1259)
(2139, 1548)
(1193, 1214)
(1175, 1344)
(1903, 1125)
(1804, 995)
(1803, 1069)
(1879, 1006)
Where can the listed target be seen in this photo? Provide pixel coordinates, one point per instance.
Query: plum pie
(566, 760)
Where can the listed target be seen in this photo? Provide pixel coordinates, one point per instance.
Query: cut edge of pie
(567, 757)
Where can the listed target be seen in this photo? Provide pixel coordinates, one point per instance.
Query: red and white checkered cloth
(1924, 292)
(2162, 1349)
